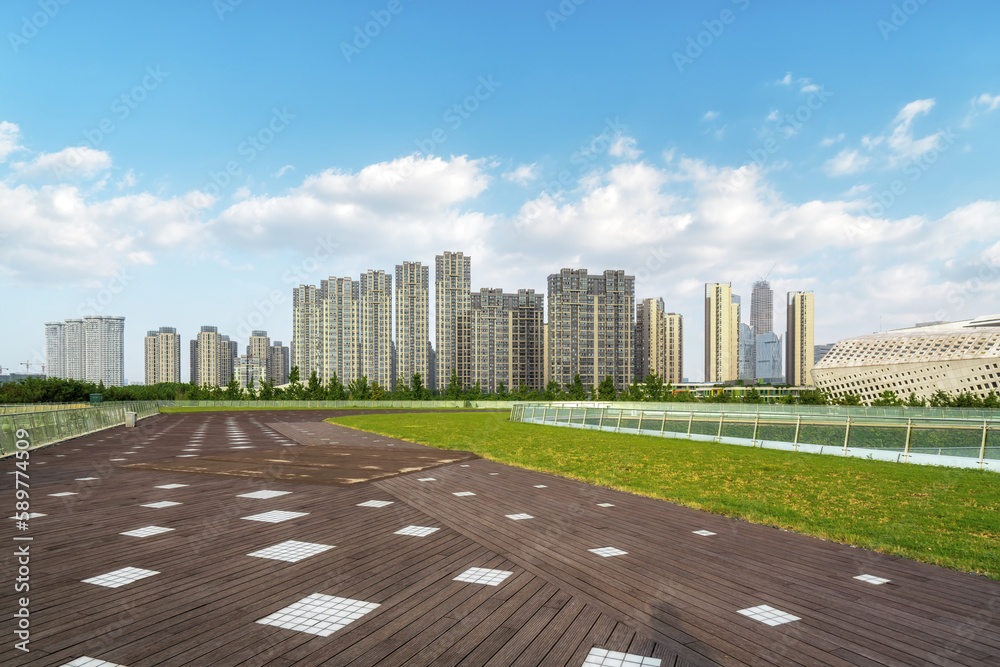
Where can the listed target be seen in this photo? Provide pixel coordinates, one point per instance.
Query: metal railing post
(690, 420)
(795, 442)
(982, 447)
(600, 422)
(909, 429)
(663, 424)
(618, 427)
(756, 423)
(847, 434)
(718, 438)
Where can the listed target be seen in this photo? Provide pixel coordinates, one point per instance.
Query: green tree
(914, 402)
(233, 391)
(849, 399)
(377, 391)
(939, 399)
(359, 389)
(813, 397)
(653, 388)
(314, 390)
(476, 392)
(502, 391)
(991, 400)
(454, 391)
(606, 389)
(251, 394)
(417, 387)
(266, 390)
(335, 389)
(887, 398)
(751, 395)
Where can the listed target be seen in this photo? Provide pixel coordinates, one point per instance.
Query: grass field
(944, 516)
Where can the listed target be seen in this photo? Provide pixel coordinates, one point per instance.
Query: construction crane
(769, 272)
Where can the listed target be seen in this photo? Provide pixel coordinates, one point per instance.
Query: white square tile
(243, 447)
(32, 515)
(416, 531)
(185, 456)
(426, 479)
(319, 614)
(64, 493)
(147, 531)
(768, 615)
(463, 493)
(463, 465)
(90, 662)
(117, 578)
(375, 503)
(275, 516)
(605, 504)
(479, 575)
(541, 486)
(608, 551)
(518, 517)
(599, 657)
(85, 479)
(118, 459)
(170, 486)
(494, 473)
(263, 494)
(703, 533)
(161, 504)
(291, 551)
(872, 579)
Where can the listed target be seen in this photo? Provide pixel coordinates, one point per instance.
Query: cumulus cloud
(76, 163)
(846, 162)
(10, 137)
(981, 104)
(522, 174)
(624, 147)
(281, 172)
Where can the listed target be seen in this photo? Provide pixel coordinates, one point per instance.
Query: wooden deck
(673, 595)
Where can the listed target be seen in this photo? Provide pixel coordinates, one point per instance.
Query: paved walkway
(271, 538)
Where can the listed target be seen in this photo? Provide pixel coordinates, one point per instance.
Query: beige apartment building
(590, 327)
(374, 329)
(212, 358)
(658, 342)
(413, 322)
(307, 325)
(338, 331)
(162, 356)
(799, 339)
(452, 317)
(722, 333)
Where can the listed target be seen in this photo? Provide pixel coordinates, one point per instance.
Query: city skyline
(658, 139)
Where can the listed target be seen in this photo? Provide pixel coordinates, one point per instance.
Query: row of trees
(652, 389)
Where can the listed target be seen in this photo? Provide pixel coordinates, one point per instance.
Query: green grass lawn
(944, 516)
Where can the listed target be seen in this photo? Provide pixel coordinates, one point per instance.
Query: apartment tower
(452, 317)
(799, 339)
(722, 333)
(162, 355)
(375, 329)
(412, 322)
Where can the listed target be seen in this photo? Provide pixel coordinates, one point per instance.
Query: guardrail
(261, 405)
(16, 408)
(949, 441)
(45, 427)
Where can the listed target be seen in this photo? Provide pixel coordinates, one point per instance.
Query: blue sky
(189, 163)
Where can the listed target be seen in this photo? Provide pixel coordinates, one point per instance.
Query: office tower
(722, 333)
(259, 346)
(338, 331)
(307, 321)
(375, 328)
(747, 361)
(91, 349)
(768, 358)
(55, 349)
(526, 311)
(648, 340)
(413, 322)
(674, 365)
(452, 319)
(799, 344)
(591, 325)
(762, 308)
(163, 355)
(278, 359)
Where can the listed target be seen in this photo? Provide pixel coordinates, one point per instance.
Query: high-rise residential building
(248, 367)
(591, 325)
(375, 328)
(452, 317)
(674, 363)
(278, 359)
(259, 345)
(213, 358)
(650, 346)
(307, 327)
(55, 349)
(526, 310)
(799, 343)
(163, 355)
(762, 308)
(91, 349)
(338, 330)
(722, 333)
(193, 362)
(490, 341)
(413, 347)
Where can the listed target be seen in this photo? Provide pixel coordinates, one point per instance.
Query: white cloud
(625, 147)
(127, 181)
(710, 115)
(281, 172)
(982, 104)
(70, 164)
(774, 116)
(10, 136)
(901, 140)
(830, 141)
(786, 80)
(522, 174)
(846, 162)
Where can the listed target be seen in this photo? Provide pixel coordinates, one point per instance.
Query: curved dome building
(954, 357)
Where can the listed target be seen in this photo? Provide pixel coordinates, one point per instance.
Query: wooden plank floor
(674, 595)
